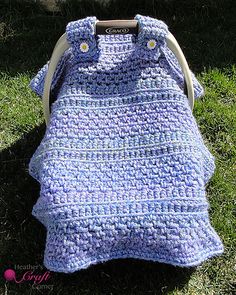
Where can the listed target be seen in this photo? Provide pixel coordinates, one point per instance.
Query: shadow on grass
(205, 29)
(25, 238)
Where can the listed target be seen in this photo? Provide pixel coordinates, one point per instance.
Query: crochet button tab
(84, 47)
(151, 44)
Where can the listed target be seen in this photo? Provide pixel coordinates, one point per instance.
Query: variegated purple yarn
(122, 165)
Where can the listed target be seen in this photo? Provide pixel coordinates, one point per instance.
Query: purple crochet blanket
(122, 165)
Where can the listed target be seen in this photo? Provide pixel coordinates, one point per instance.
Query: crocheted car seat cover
(122, 165)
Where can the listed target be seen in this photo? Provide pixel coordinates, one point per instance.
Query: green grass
(206, 32)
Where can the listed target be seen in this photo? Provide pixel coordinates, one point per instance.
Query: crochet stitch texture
(122, 165)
